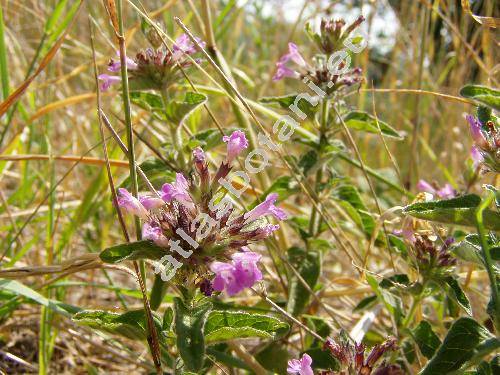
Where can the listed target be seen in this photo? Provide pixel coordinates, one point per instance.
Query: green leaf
(458, 294)
(482, 94)
(308, 265)
(158, 291)
(458, 211)
(426, 339)
(229, 325)
(157, 172)
(349, 195)
(363, 121)
(19, 289)
(176, 112)
(226, 358)
(286, 101)
(132, 324)
(322, 359)
(284, 186)
(168, 318)
(189, 324)
(132, 251)
(274, 357)
(460, 344)
(392, 302)
(147, 100)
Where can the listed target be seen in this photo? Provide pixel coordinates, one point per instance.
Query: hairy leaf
(426, 339)
(363, 121)
(228, 325)
(458, 211)
(189, 324)
(308, 265)
(460, 344)
(132, 251)
(482, 94)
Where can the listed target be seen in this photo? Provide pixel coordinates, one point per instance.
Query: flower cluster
(486, 137)
(300, 366)
(353, 360)
(445, 192)
(196, 213)
(153, 68)
(429, 255)
(327, 73)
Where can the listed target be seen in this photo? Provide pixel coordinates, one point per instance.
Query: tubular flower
(486, 137)
(107, 81)
(236, 143)
(300, 366)
(153, 68)
(446, 192)
(266, 208)
(177, 190)
(241, 273)
(131, 204)
(201, 232)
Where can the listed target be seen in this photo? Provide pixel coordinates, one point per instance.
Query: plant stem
(488, 262)
(175, 132)
(139, 267)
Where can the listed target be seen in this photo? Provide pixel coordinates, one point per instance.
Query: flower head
(131, 204)
(107, 81)
(236, 143)
(266, 208)
(300, 366)
(177, 190)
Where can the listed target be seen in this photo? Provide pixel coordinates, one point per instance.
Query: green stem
(175, 133)
(488, 262)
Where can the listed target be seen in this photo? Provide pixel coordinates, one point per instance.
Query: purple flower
(266, 208)
(236, 143)
(241, 273)
(183, 45)
(131, 204)
(476, 131)
(477, 157)
(283, 71)
(114, 66)
(107, 81)
(155, 234)
(293, 55)
(264, 232)
(177, 190)
(300, 366)
(446, 192)
(150, 203)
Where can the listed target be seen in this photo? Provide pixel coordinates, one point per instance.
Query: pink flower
(236, 143)
(154, 234)
(241, 273)
(446, 192)
(477, 157)
(114, 66)
(293, 55)
(107, 81)
(150, 203)
(266, 208)
(131, 204)
(300, 366)
(177, 190)
(183, 45)
(476, 132)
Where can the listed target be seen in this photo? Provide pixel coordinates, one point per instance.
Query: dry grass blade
(16, 95)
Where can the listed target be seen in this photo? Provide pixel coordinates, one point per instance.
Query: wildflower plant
(298, 233)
